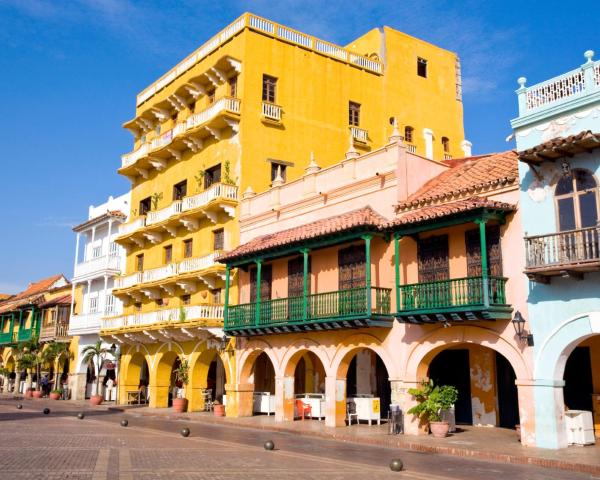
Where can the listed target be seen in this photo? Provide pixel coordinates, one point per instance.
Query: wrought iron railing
(563, 249)
(455, 293)
(332, 306)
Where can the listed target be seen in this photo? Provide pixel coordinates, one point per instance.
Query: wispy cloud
(57, 222)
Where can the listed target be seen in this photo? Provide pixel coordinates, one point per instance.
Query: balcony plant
(156, 197)
(433, 401)
(95, 353)
(182, 377)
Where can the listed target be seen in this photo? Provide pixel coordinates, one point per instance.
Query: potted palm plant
(95, 353)
(433, 402)
(182, 377)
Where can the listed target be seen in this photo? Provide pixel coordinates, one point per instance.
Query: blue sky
(71, 70)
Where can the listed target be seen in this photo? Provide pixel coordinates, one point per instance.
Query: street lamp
(519, 323)
(224, 344)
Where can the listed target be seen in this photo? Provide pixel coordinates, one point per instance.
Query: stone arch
(297, 349)
(251, 352)
(160, 376)
(352, 345)
(199, 371)
(559, 344)
(442, 338)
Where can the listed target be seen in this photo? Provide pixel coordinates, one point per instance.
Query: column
(484, 263)
(550, 426)
(400, 396)
(88, 303)
(397, 270)
(335, 401)
(258, 291)
(92, 242)
(108, 243)
(367, 239)
(305, 291)
(104, 299)
(240, 399)
(527, 420)
(226, 301)
(284, 399)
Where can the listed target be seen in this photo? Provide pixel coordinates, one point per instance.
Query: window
(421, 67)
(145, 205)
(138, 307)
(432, 254)
(185, 299)
(180, 190)
(408, 134)
(352, 267)
(218, 239)
(159, 302)
(233, 81)
(187, 248)
(212, 175)
(211, 96)
(215, 296)
(269, 87)
(296, 277)
(354, 114)
(139, 262)
(494, 253)
(93, 304)
(265, 283)
(576, 200)
(446, 144)
(168, 254)
(282, 170)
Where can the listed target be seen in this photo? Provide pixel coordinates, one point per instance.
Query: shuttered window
(432, 253)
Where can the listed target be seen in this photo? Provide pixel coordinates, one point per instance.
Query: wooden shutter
(265, 283)
(494, 251)
(432, 253)
(296, 277)
(352, 265)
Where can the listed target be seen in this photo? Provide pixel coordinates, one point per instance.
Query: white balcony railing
(170, 316)
(130, 158)
(411, 148)
(218, 190)
(130, 227)
(226, 103)
(197, 263)
(359, 134)
(160, 273)
(127, 281)
(164, 213)
(271, 111)
(97, 265)
(447, 156)
(82, 324)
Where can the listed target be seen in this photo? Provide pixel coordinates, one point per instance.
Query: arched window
(576, 200)
(408, 134)
(446, 144)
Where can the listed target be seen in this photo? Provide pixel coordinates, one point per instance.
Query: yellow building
(251, 107)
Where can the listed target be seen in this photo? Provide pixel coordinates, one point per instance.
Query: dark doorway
(451, 367)
(508, 398)
(384, 388)
(578, 380)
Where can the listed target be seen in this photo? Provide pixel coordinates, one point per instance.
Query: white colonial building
(98, 259)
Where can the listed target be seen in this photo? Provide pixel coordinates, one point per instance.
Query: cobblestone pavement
(60, 446)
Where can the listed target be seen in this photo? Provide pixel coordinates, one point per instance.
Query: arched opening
(208, 379)
(582, 379)
(368, 389)
(262, 376)
(308, 373)
(135, 379)
(485, 380)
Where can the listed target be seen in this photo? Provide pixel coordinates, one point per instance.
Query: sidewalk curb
(396, 442)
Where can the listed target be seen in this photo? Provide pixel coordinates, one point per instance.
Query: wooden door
(352, 266)
(434, 268)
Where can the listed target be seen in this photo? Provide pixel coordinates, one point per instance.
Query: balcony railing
(334, 309)
(167, 271)
(171, 316)
(556, 252)
(359, 134)
(467, 298)
(271, 111)
(83, 324)
(228, 104)
(105, 262)
(130, 227)
(51, 332)
(6, 337)
(411, 148)
(218, 190)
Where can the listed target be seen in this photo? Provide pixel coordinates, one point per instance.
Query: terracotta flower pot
(54, 396)
(219, 410)
(439, 429)
(29, 393)
(36, 394)
(180, 405)
(96, 400)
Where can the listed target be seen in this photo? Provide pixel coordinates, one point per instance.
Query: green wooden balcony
(454, 300)
(6, 338)
(352, 308)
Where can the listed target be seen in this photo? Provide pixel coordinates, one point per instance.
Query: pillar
(77, 385)
(484, 262)
(400, 396)
(284, 398)
(526, 394)
(335, 401)
(550, 426)
(240, 399)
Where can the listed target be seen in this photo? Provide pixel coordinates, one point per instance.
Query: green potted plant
(182, 377)
(433, 401)
(98, 353)
(55, 394)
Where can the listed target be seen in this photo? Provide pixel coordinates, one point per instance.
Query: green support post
(367, 239)
(484, 263)
(226, 302)
(258, 288)
(397, 269)
(305, 285)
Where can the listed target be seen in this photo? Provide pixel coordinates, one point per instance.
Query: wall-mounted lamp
(566, 168)
(224, 346)
(519, 323)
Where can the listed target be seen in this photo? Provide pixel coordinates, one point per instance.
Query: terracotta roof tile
(32, 294)
(364, 217)
(99, 219)
(466, 177)
(434, 212)
(64, 300)
(560, 147)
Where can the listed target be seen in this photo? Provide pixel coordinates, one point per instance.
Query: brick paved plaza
(60, 446)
